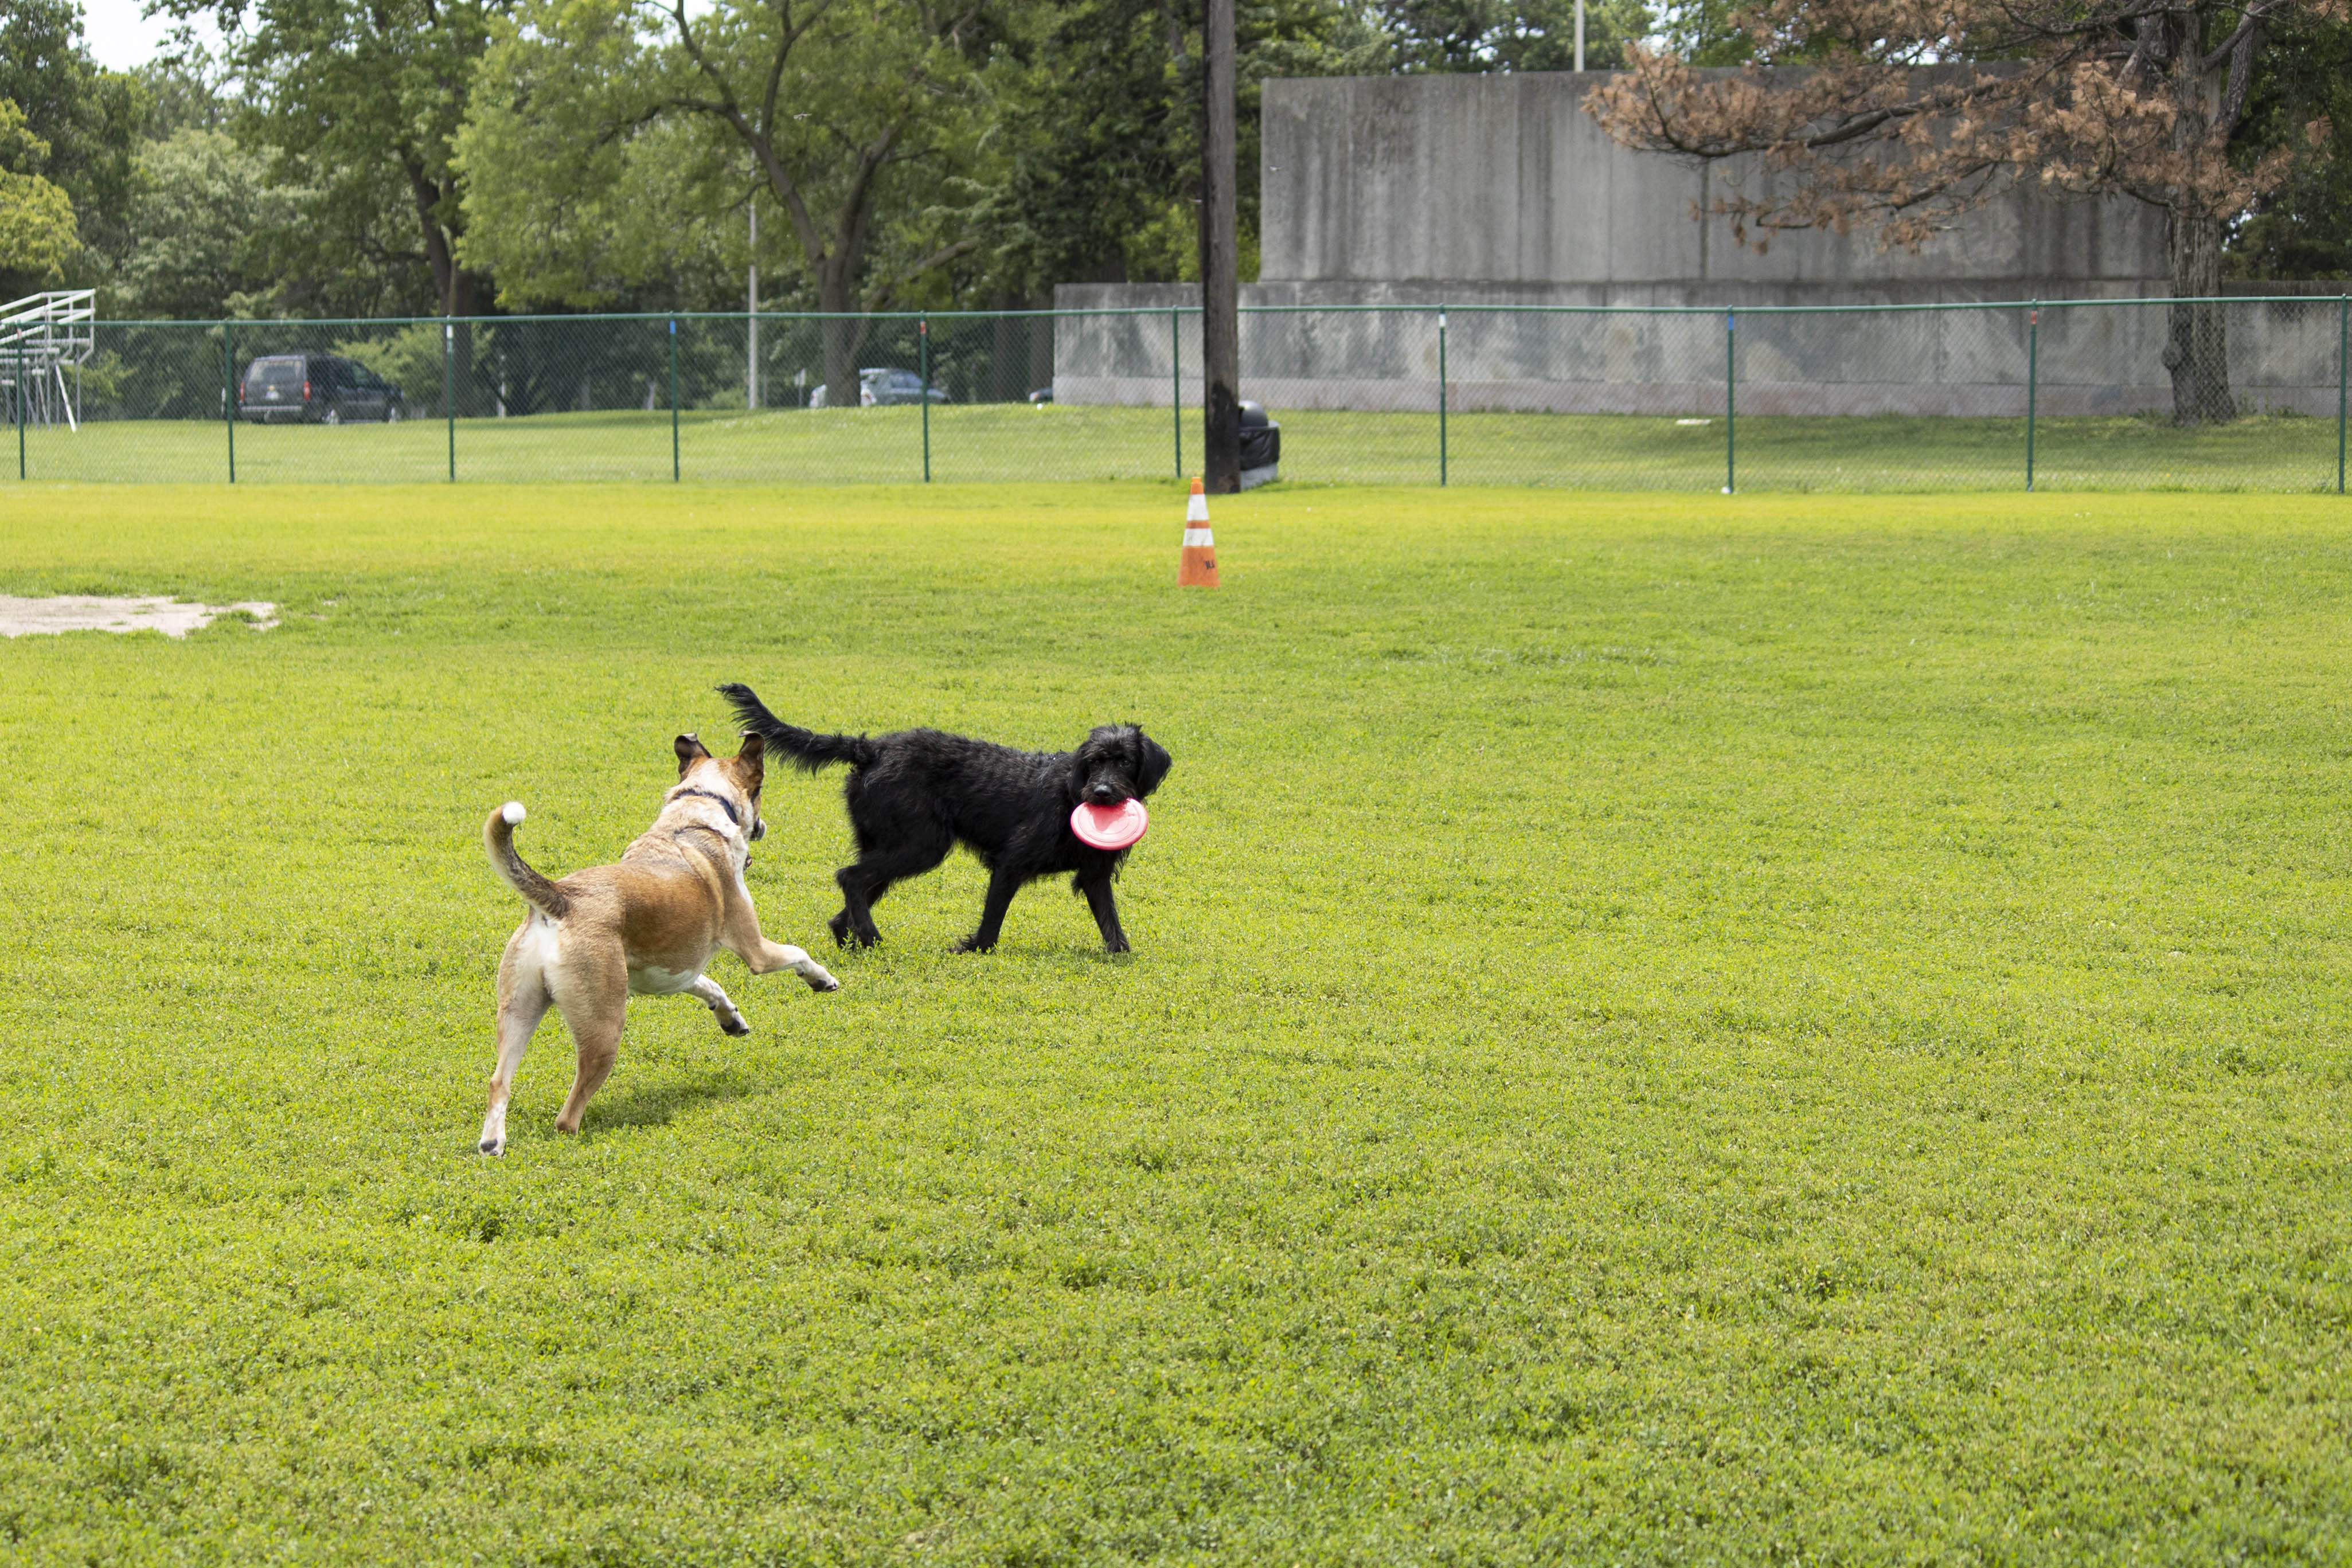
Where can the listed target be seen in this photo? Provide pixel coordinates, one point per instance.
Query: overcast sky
(120, 39)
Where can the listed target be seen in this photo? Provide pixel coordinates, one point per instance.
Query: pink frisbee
(1110, 827)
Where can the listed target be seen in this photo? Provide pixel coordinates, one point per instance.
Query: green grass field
(1663, 1030)
(1017, 442)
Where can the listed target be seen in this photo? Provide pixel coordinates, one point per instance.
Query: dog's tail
(498, 837)
(808, 749)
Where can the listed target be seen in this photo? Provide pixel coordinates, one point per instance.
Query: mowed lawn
(1664, 1029)
(1017, 442)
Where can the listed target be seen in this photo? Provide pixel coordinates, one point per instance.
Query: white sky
(120, 39)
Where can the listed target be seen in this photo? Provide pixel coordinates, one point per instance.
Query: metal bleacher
(42, 336)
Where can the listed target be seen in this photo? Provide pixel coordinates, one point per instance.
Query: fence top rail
(649, 317)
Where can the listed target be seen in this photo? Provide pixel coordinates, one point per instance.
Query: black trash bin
(1261, 447)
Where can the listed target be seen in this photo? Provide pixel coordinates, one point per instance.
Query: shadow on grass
(657, 1104)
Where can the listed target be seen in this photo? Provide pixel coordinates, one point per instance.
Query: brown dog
(648, 924)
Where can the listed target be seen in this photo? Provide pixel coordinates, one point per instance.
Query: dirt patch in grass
(85, 612)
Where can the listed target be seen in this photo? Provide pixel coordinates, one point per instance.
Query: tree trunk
(844, 328)
(2196, 349)
(458, 287)
(1221, 338)
(464, 302)
(1008, 350)
(845, 334)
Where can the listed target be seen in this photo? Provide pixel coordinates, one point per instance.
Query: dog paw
(839, 926)
(493, 1145)
(821, 981)
(973, 944)
(736, 1026)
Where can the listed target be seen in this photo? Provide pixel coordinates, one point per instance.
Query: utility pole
(1580, 35)
(1221, 326)
(751, 310)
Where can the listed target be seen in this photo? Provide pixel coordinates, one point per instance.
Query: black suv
(316, 389)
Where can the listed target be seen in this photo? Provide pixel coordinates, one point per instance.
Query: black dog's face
(1119, 762)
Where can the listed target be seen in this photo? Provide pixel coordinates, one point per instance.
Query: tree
(186, 88)
(77, 133)
(38, 236)
(2302, 229)
(2141, 98)
(1101, 124)
(1510, 35)
(204, 225)
(359, 102)
(846, 117)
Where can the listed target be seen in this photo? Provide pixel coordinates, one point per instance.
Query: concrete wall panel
(1505, 180)
(2091, 359)
(1410, 192)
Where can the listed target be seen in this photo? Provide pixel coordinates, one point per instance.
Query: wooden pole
(1220, 331)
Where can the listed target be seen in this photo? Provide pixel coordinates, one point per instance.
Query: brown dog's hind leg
(522, 1002)
(594, 996)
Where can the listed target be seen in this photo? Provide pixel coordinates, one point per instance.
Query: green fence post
(923, 352)
(1730, 409)
(450, 390)
(2033, 385)
(673, 400)
(1442, 453)
(229, 393)
(18, 401)
(2343, 345)
(1176, 382)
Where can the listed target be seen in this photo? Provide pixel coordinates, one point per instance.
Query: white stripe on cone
(1196, 512)
(1195, 539)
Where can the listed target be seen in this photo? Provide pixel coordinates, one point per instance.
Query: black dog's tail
(808, 749)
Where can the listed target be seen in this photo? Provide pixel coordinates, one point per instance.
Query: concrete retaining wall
(1388, 197)
(2103, 358)
(1504, 181)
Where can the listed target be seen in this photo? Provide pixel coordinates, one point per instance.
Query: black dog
(913, 794)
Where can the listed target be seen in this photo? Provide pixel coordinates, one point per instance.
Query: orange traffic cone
(1200, 568)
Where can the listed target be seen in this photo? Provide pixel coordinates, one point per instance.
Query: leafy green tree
(83, 125)
(1510, 35)
(1101, 125)
(38, 236)
(605, 131)
(2302, 230)
(203, 224)
(360, 101)
(186, 88)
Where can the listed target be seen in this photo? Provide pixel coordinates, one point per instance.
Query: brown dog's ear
(690, 750)
(751, 761)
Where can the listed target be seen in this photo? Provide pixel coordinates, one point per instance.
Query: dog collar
(724, 803)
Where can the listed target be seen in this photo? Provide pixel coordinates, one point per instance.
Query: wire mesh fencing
(2061, 395)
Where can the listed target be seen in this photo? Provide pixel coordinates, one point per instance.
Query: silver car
(880, 387)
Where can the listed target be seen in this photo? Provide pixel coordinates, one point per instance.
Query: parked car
(880, 387)
(316, 389)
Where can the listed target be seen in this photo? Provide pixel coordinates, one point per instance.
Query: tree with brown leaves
(2080, 97)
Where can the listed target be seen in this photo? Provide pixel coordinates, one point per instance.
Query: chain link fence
(2062, 395)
